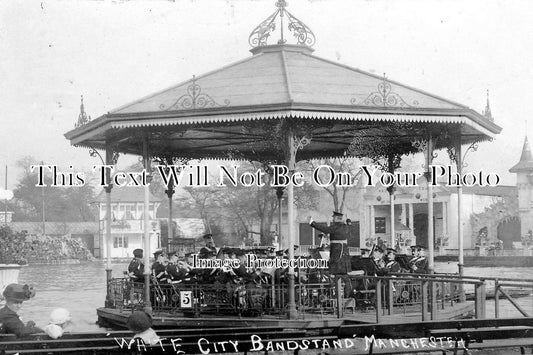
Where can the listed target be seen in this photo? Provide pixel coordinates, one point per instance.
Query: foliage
(61, 204)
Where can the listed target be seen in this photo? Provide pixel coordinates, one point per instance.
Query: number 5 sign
(186, 299)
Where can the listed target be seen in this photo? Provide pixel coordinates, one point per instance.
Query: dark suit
(339, 259)
(159, 271)
(393, 266)
(10, 323)
(136, 270)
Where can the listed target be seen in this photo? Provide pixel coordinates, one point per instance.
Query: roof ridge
(390, 81)
(286, 74)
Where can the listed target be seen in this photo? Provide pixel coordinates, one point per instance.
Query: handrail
(418, 277)
(467, 277)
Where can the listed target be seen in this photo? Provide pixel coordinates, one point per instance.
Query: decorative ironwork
(385, 97)
(193, 99)
(301, 142)
(82, 117)
(303, 34)
(95, 153)
(471, 148)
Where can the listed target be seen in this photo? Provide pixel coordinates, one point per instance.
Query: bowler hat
(139, 321)
(18, 292)
(138, 253)
(337, 214)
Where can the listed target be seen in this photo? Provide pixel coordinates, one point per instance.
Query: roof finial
(487, 112)
(303, 34)
(82, 117)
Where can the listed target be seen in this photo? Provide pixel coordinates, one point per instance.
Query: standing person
(10, 322)
(59, 319)
(136, 266)
(339, 259)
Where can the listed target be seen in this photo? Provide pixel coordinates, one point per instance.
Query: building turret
(524, 182)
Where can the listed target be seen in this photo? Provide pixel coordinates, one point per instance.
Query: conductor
(339, 260)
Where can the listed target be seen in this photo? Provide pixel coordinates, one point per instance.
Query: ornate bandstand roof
(232, 112)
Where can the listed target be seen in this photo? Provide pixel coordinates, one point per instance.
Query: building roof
(56, 228)
(283, 74)
(500, 190)
(126, 194)
(526, 160)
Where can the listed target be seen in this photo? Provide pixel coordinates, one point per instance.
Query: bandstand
(282, 105)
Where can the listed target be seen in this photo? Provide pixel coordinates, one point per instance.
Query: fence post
(390, 299)
(378, 301)
(433, 299)
(340, 298)
(480, 300)
(496, 299)
(424, 298)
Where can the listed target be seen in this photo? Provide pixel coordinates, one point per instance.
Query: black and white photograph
(312, 177)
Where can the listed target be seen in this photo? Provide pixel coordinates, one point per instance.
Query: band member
(339, 259)
(10, 322)
(419, 264)
(174, 272)
(364, 252)
(210, 243)
(392, 265)
(378, 257)
(159, 267)
(136, 266)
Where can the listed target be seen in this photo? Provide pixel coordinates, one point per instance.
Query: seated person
(378, 260)
(140, 323)
(392, 265)
(175, 273)
(419, 264)
(10, 322)
(159, 267)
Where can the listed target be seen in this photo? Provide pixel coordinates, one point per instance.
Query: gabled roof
(526, 160)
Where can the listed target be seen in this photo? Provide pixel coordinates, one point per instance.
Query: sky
(114, 52)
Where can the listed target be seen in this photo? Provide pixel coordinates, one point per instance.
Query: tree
(61, 204)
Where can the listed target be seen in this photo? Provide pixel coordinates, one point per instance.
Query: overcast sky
(114, 52)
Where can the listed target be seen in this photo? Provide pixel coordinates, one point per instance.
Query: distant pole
(5, 202)
(44, 217)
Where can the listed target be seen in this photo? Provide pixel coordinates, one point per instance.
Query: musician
(392, 265)
(339, 259)
(159, 267)
(419, 264)
(210, 243)
(136, 266)
(379, 261)
(174, 272)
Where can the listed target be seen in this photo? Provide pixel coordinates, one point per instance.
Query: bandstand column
(460, 264)
(392, 219)
(146, 238)
(170, 192)
(291, 164)
(431, 237)
(411, 220)
(372, 221)
(108, 237)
